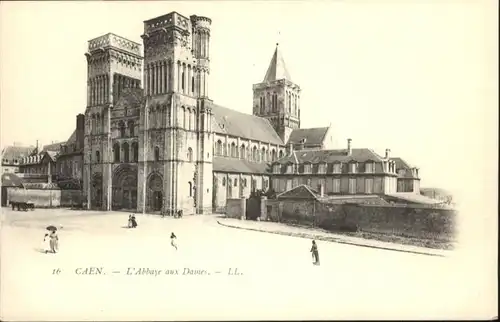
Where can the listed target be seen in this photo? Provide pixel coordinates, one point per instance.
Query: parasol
(51, 228)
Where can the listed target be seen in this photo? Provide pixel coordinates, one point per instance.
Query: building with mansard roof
(154, 140)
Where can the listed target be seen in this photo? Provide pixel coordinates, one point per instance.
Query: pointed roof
(277, 68)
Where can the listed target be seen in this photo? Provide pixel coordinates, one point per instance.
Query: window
(289, 168)
(277, 168)
(218, 148)
(254, 154)
(190, 155)
(223, 182)
(190, 189)
(131, 128)
(126, 157)
(263, 155)
(352, 185)
(233, 150)
(122, 129)
(352, 167)
(336, 185)
(369, 166)
(116, 152)
(157, 153)
(307, 168)
(369, 185)
(273, 155)
(281, 154)
(242, 151)
(135, 148)
(322, 168)
(192, 84)
(182, 80)
(97, 157)
(235, 182)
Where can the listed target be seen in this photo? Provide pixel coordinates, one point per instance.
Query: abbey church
(155, 140)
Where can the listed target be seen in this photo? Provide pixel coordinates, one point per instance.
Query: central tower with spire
(277, 98)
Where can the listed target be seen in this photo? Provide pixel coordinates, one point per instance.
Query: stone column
(263, 208)
(179, 77)
(162, 77)
(190, 83)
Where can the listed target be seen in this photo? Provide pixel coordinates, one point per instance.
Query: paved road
(277, 277)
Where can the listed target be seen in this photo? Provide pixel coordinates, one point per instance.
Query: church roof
(313, 136)
(277, 68)
(52, 147)
(330, 156)
(221, 164)
(234, 123)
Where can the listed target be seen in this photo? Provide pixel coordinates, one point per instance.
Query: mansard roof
(234, 123)
(221, 164)
(330, 156)
(16, 152)
(402, 164)
(277, 68)
(312, 136)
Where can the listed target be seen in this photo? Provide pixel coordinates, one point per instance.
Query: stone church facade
(154, 139)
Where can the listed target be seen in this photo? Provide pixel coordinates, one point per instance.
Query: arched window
(190, 188)
(273, 155)
(223, 182)
(242, 151)
(233, 150)
(182, 81)
(235, 182)
(126, 157)
(218, 147)
(116, 152)
(192, 84)
(135, 148)
(281, 154)
(97, 157)
(157, 153)
(190, 155)
(263, 155)
(254, 154)
(122, 129)
(131, 128)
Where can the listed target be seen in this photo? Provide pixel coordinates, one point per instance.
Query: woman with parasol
(54, 239)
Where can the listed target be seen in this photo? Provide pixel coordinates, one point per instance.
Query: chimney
(80, 131)
(349, 148)
(387, 153)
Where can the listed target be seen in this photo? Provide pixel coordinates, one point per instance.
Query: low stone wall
(236, 208)
(399, 220)
(46, 198)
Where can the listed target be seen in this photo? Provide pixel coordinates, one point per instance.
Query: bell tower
(113, 63)
(277, 97)
(175, 120)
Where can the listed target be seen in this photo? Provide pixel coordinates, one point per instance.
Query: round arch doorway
(155, 192)
(125, 188)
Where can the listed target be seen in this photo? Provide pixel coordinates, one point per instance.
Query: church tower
(113, 63)
(277, 98)
(175, 139)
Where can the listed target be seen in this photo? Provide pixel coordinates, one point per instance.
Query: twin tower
(148, 139)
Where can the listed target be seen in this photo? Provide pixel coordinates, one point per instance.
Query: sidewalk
(311, 233)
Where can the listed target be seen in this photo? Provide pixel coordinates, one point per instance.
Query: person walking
(172, 240)
(315, 253)
(54, 242)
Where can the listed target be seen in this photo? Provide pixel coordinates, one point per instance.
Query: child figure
(172, 240)
(46, 243)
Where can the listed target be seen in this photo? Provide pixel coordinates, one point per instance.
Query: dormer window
(353, 167)
(289, 168)
(322, 168)
(277, 168)
(401, 172)
(337, 168)
(307, 168)
(370, 167)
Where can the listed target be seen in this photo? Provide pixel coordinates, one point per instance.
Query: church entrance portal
(125, 188)
(155, 192)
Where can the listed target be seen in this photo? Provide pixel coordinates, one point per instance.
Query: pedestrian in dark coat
(315, 253)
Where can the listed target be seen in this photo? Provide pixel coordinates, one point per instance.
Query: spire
(277, 68)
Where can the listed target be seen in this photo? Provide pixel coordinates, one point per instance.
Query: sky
(418, 77)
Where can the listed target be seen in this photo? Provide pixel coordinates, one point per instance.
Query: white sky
(417, 77)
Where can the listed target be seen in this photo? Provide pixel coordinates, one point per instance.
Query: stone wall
(46, 198)
(236, 208)
(401, 220)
